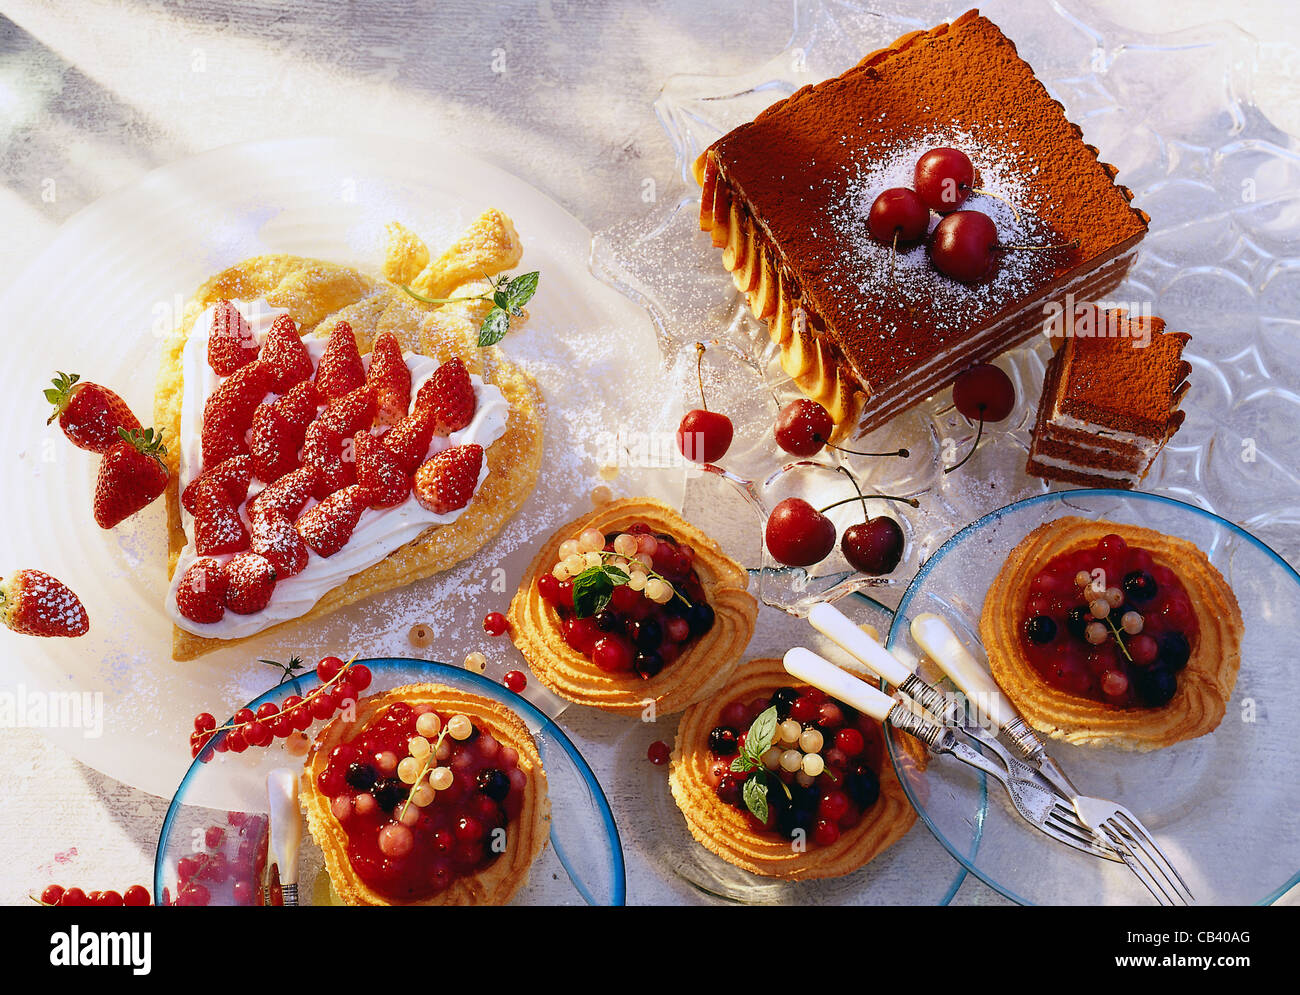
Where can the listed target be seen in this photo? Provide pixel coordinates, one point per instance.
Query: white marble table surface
(94, 94)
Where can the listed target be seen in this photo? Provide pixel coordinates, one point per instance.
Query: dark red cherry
(799, 535)
(898, 211)
(704, 436)
(963, 244)
(803, 426)
(943, 179)
(874, 546)
(984, 392)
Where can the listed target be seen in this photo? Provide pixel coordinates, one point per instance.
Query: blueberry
(1076, 621)
(862, 786)
(783, 698)
(388, 792)
(722, 742)
(361, 776)
(493, 783)
(700, 618)
(1175, 650)
(647, 665)
(607, 621)
(1155, 685)
(1139, 585)
(647, 634)
(1040, 629)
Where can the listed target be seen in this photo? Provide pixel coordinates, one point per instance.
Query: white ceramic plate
(115, 278)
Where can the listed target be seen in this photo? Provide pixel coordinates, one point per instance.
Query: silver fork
(1110, 821)
(1031, 794)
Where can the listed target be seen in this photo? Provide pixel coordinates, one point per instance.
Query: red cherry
(962, 245)
(874, 546)
(494, 623)
(515, 681)
(898, 211)
(704, 436)
(825, 832)
(984, 392)
(658, 753)
(74, 896)
(136, 895)
(549, 588)
(803, 427)
(799, 535)
(943, 179)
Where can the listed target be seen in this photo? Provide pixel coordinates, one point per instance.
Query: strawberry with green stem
(88, 414)
(131, 476)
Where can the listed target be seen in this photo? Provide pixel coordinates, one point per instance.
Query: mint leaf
(519, 291)
(761, 733)
(754, 794)
(494, 327)
(593, 588)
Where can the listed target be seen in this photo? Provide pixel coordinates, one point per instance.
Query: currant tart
(815, 797)
(432, 796)
(337, 434)
(1113, 635)
(631, 605)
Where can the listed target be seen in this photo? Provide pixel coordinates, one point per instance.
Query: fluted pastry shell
(727, 831)
(526, 835)
(318, 295)
(703, 666)
(1204, 686)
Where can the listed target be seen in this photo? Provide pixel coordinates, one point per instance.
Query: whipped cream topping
(379, 530)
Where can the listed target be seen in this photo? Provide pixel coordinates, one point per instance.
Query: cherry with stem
(982, 393)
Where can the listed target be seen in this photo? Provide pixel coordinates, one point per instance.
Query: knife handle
(286, 823)
(933, 634)
(807, 666)
(841, 630)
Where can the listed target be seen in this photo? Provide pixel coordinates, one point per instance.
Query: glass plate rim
(914, 586)
(517, 702)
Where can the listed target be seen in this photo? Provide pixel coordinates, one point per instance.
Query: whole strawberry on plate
(131, 475)
(90, 415)
(36, 604)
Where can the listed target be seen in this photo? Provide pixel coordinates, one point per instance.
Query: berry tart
(877, 221)
(815, 797)
(632, 605)
(1113, 635)
(431, 796)
(337, 435)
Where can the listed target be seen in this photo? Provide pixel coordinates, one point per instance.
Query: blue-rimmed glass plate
(582, 863)
(1225, 807)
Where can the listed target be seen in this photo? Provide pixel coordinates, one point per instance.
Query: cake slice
(1110, 400)
(863, 331)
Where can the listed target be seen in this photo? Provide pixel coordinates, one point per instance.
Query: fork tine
(1085, 838)
(1133, 857)
(1145, 839)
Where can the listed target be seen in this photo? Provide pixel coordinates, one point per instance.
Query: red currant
(328, 668)
(849, 742)
(322, 705)
(51, 894)
(361, 676)
(193, 894)
(899, 212)
(136, 895)
(834, 805)
(244, 892)
(266, 709)
(549, 588)
(612, 654)
(825, 832)
(803, 427)
(74, 897)
(963, 245)
(235, 741)
(204, 722)
(943, 179)
(658, 753)
(213, 837)
(243, 716)
(494, 623)
(515, 681)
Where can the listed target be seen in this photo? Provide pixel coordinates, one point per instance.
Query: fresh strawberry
(287, 495)
(233, 476)
(285, 355)
(409, 439)
(274, 444)
(250, 581)
(379, 472)
(35, 604)
(446, 482)
(274, 537)
(131, 475)
(450, 396)
(391, 379)
(299, 405)
(230, 341)
(340, 370)
(89, 414)
(326, 527)
(351, 413)
(201, 594)
(217, 525)
(332, 456)
(228, 413)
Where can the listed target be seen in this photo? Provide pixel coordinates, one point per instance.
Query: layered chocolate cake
(1110, 400)
(868, 329)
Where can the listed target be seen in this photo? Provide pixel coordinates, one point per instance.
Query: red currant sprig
(340, 682)
(57, 895)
